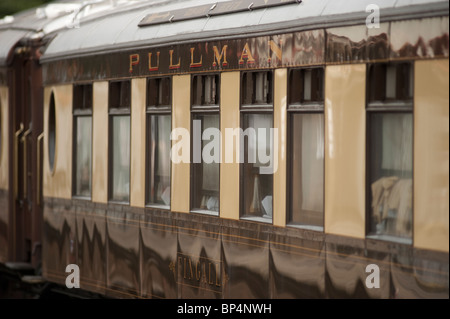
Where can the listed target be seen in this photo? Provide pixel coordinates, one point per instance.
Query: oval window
(51, 132)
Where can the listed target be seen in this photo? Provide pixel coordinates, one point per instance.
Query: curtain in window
(121, 158)
(160, 163)
(397, 142)
(83, 156)
(210, 170)
(261, 143)
(391, 173)
(307, 169)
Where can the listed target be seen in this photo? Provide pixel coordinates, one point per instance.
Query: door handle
(16, 164)
(24, 141)
(38, 161)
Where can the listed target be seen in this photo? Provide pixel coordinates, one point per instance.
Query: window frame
(386, 106)
(202, 110)
(304, 107)
(81, 112)
(155, 110)
(253, 109)
(114, 111)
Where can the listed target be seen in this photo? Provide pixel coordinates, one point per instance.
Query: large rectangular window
(159, 127)
(205, 130)
(390, 150)
(82, 112)
(119, 141)
(256, 189)
(306, 148)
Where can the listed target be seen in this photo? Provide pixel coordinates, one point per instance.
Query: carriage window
(256, 88)
(82, 111)
(205, 90)
(206, 144)
(306, 148)
(390, 82)
(390, 150)
(256, 189)
(51, 132)
(306, 85)
(119, 140)
(158, 92)
(159, 126)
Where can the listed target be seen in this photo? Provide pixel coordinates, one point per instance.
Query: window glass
(158, 143)
(158, 92)
(391, 173)
(205, 177)
(306, 85)
(205, 90)
(307, 169)
(256, 88)
(120, 158)
(159, 164)
(83, 154)
(306, 147)
(257, 188)
(390, 150)
(120, 94)
(82, 111)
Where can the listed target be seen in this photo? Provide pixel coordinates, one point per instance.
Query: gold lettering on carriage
(197, 271)
(207, 56)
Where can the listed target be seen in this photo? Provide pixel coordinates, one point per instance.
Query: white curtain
(210, 170)
(121, 157)
(397, 142)
(84, 155)
(312, 161)
(164, 128)
(261, 142)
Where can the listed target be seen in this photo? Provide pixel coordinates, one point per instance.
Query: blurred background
(9, 7)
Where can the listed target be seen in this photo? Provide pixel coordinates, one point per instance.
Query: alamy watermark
(373, 19)
(373, 279)
(73, 279)
(262, 146)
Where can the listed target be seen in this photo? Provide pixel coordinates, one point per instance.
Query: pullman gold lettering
(246, 54)
(134, 60)
(195, 64)
(213, 56)
(218, 57)
(173, 66)
(150, 67)
(276, 49)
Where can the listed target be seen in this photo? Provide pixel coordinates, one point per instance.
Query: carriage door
(27, 118)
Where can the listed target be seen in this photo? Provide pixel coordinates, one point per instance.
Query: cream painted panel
(4, 129)
(100, 142)
(280, 123)
(137, 178)
(229, 118)
(181, 119)
(345, 126)
(58, 183)
(431, 155)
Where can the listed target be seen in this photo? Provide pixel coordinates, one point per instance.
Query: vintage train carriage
(360, 150)
(22, 40)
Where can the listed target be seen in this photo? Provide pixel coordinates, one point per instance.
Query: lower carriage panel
(130, 252)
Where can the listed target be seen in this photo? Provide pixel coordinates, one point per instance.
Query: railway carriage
(229, 149)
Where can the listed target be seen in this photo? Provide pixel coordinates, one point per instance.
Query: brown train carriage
(360, 176)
